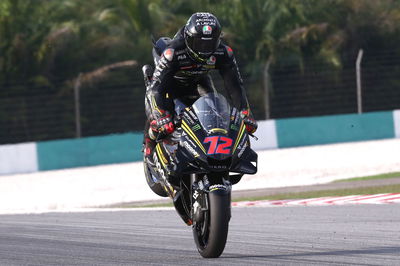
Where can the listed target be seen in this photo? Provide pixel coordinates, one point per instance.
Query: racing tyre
(211, 232)
(154, 186)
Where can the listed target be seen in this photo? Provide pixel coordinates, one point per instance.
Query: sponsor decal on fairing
(234, 127)
(196, 127)
(218, 187)
(188, 118)
(191, 149)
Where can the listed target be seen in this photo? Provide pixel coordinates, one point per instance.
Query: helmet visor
(203, 46)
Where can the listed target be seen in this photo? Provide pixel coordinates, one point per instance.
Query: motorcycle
(198, 163)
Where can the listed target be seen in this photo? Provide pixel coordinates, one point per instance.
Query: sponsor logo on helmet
(203, 14)
(206, 21)
(211, 60)
(207, 30)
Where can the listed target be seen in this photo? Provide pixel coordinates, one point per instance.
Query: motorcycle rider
(182, 72)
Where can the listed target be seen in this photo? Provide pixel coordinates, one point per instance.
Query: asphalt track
(331, 235)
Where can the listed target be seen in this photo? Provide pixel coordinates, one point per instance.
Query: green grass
(329, 193)
(136, 205)
(372, 177)
(311, 194)
(305, 195)
(160, 205)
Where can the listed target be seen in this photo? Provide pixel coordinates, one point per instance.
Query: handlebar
(251, 135)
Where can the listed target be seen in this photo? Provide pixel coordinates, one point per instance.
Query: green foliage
(35, 33)
(46, 44)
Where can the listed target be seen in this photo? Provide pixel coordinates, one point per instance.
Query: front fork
(201, 187)
(192, 201)
(199, 197)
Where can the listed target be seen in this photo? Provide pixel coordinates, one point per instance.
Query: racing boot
(149, 145)
(149, 141)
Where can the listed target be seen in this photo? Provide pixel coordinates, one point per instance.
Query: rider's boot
(148, 142)
(148, 150)
(148, 147)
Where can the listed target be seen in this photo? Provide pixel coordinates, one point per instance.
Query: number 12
(218, 145)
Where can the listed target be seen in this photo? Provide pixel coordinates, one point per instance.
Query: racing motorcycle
(198, 163)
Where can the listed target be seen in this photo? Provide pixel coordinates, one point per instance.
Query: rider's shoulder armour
(225, 50)
(169, 54)
(174, 49)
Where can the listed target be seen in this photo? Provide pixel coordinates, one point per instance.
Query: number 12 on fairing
(218, 145)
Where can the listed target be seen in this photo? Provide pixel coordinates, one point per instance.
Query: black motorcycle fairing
(247, 163)
(210, 142)
(222, 147)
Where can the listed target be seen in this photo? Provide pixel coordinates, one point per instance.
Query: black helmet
(202, 35)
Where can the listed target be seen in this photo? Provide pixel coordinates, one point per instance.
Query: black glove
(249, 121)
(163, 123)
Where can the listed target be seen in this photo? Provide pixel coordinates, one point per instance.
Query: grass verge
(372, 177)
(301, 195)
(309, 194)
(329, 193)
(159, 205)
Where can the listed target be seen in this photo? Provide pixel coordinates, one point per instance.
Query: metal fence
(43, 113)
(318, 89)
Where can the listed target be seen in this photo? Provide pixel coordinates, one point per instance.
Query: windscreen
(213, 111)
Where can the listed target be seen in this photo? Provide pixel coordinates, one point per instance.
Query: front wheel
(211, 230)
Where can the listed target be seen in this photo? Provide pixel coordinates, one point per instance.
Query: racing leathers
(179, 75)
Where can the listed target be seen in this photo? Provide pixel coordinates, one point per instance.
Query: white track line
(389, 198)
(345, 200)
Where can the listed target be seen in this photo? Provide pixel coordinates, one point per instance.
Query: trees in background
(45, 45)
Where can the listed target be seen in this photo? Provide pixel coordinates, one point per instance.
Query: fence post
(359, 91)
(77, 86)
(266, 80)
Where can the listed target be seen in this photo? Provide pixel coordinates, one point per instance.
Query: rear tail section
(147, 74)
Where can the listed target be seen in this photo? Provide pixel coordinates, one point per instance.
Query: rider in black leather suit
(182, 72)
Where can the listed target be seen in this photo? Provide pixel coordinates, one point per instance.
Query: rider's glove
(249, 121)
(163, 124)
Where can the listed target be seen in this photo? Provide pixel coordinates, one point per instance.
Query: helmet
(202, 35)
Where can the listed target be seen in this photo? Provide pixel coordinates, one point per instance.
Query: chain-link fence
(320, 90)
(44, 113)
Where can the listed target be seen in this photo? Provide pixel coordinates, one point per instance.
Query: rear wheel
(156, 187)
(211, 230)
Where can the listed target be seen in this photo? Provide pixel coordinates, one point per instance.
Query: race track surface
(329, 235)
